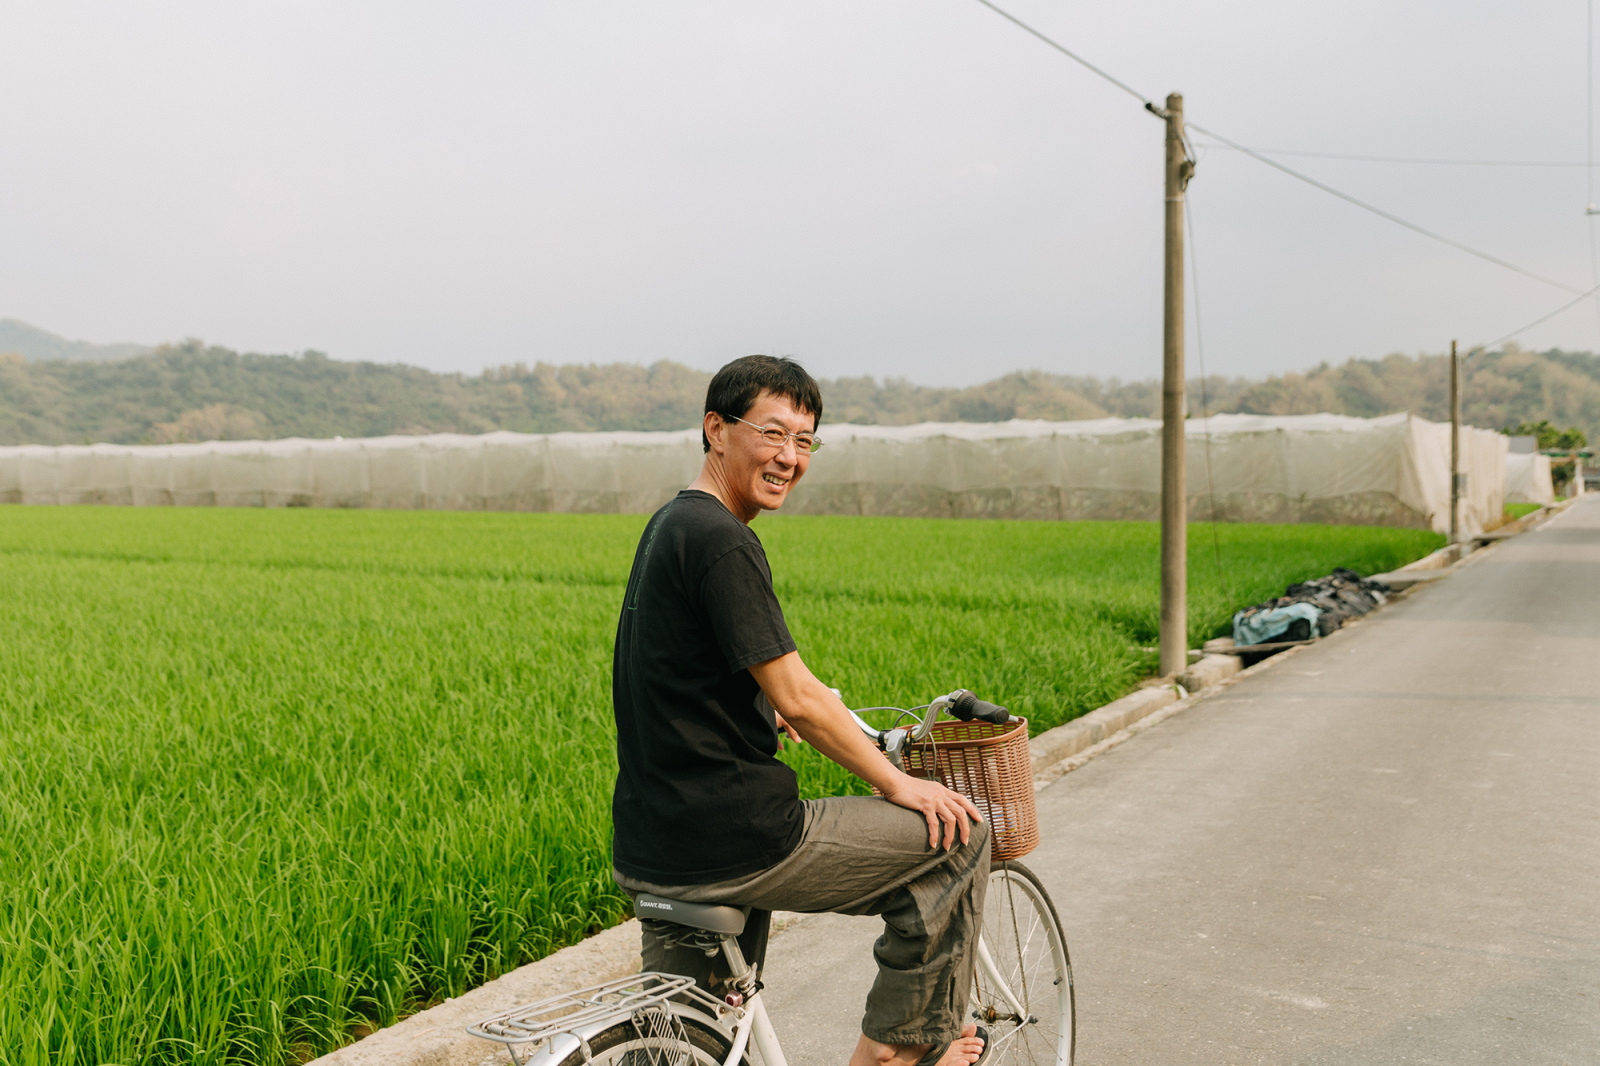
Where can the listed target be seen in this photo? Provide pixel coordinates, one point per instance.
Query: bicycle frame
(742, 1015)
(750, 1024)
(754, 1027)
(745, 1023)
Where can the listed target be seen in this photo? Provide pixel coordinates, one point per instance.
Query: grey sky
(909, 187)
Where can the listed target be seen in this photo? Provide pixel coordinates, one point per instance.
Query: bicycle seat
(727, 921)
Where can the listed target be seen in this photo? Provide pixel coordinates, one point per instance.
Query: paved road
(1383, 850)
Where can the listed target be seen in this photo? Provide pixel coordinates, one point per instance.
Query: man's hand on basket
(939, 805)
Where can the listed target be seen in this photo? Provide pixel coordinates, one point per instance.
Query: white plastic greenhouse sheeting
(1528, 479)
(1312, 468)
(605, 472)
(1305, 468)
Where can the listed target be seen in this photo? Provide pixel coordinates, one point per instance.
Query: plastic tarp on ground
(1528, 479)
(1311, 468)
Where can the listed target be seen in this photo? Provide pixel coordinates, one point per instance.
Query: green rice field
(269, 779)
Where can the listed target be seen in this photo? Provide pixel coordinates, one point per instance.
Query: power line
(1205, 406)
(1380, 212)
(1416, 159)
(1151, 106)
(1574, 302)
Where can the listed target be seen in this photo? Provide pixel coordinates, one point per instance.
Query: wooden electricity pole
(1174, 483)
(1457, 482)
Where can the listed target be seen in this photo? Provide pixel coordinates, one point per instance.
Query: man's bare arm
(816, 713)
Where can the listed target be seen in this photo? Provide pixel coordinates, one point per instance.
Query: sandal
(936, 1052)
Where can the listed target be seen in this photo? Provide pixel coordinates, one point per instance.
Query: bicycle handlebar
(966, 707)
(960, 704)
(872, 732)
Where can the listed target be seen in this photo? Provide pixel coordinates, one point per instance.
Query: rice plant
(270, 779)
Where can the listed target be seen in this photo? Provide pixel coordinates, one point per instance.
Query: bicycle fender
(559, 1047)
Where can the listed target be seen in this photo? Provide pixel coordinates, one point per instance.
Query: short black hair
(736, 387)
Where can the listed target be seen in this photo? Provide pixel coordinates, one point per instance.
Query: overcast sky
(892, 187)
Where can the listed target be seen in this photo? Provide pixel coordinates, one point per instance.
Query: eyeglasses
(777, 437)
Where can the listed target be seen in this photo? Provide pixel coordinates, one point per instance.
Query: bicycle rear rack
(641, 999)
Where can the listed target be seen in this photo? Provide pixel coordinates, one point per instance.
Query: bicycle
(1022, 987)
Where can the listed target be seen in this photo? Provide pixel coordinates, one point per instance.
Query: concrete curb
(438, 1037)
(1045, 776)
(1064, 741)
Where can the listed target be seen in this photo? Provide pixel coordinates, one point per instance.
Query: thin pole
(1589, 209)
(1455, 446)
(1174, 486)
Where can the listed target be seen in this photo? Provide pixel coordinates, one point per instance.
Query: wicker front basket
(991, 766)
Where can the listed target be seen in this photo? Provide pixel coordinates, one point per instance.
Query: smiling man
(704, 811)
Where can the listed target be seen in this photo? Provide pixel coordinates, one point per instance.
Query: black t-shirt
(700, 796)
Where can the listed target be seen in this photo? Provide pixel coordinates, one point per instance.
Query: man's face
(760, 475)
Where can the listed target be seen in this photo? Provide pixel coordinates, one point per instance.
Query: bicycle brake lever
(894, 746)
(937, 707)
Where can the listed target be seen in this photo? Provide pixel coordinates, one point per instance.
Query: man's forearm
(812, 709)
(828, 727)
(822, 720)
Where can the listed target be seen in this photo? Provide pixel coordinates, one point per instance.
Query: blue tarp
(1263, 626)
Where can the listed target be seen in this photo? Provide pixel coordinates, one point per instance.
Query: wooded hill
(192, 391)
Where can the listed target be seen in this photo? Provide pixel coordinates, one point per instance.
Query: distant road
(1384, 850)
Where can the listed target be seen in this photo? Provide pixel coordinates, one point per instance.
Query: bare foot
(963, 1051)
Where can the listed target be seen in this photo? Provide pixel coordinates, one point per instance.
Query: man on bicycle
(704, 812)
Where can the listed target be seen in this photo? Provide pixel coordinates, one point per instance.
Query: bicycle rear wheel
(641, 1043)
(1022, 987)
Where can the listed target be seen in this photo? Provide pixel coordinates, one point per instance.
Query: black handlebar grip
(967, 707)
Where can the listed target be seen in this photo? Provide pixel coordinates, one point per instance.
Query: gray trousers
(864, 855)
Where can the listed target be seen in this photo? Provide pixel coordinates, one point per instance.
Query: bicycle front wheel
(1022, 986)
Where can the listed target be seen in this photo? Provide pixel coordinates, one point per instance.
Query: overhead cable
(1151, 106)
(1417, 160)
(1380, 212)
(1569, 305)
(1205, 406)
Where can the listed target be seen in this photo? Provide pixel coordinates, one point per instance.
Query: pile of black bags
(1323, 605)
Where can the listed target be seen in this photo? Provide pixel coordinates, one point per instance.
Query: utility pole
(1174, 482)
(1457, 480)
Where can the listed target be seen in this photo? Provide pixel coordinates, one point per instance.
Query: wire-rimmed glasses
(777, 436)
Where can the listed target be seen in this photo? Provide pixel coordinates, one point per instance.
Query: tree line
(193, 391)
